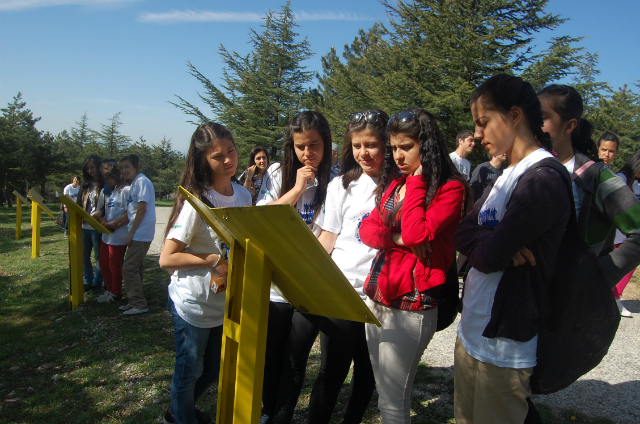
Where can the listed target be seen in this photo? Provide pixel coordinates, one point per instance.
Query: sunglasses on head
(404, 116)
(370, 117)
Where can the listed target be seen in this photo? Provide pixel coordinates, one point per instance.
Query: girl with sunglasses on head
(90, 188)
(113, 215)
(350, 199)
(197, 259)
(251, 178)
(511, 238)
(420, 200)
(301, 180)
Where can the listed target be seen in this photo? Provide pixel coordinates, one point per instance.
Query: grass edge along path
(94, 365)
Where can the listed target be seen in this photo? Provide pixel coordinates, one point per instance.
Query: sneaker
(203, 417)
(114, 299)
(623, 311)
(134, 311)
(125, 307)
(104, 298)
(265, 419)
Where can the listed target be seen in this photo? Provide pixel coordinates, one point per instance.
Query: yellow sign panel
(36, 197)
(19, 203)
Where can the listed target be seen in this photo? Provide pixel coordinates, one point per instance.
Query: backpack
(584, 314)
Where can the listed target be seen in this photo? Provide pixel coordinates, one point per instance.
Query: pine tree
(262, 90)
(113, 141)
(81, 133)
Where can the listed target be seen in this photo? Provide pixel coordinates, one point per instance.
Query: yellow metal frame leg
(35, 230)
(244, 336)
(18, 219)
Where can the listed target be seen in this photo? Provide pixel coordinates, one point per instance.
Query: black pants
(342, 341)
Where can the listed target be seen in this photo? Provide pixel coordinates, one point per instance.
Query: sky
(68, 57)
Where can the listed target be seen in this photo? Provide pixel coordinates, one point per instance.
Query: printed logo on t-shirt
(487, 217)
(129, 200)
(112, 203)
(359, 224)
(307, 213)
(224, 249)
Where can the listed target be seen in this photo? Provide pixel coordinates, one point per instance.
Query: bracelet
(217, 262)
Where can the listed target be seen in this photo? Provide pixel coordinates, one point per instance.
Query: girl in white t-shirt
(141, 210)
(350, 199)
(198, 259)
(113, 215)
(301, 180)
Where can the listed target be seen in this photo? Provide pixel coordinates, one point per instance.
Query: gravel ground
(610, 390)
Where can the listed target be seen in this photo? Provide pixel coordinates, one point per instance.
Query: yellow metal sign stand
(75, 216)
(37, 206)
(268, 243)
(20, 202)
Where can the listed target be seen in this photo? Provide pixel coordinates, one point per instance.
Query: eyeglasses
(404, 116)
(370, 117)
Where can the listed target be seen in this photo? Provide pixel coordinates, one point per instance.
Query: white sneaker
(623, 311)
(264, 419)
(134, 311)
(104, 298)
(125, 307)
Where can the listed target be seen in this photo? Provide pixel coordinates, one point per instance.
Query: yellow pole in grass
(37, 206)
(21, 201)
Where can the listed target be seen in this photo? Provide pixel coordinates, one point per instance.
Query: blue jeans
(91, 239)
(197, 365)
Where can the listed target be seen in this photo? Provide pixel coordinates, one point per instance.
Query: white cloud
(34, 4)
(176, 16)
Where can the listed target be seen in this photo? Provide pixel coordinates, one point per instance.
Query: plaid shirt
(412, 301)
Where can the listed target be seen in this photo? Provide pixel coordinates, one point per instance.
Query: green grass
(164, 202)
(94, 365)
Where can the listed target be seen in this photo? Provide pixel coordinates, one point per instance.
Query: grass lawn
(94, 365)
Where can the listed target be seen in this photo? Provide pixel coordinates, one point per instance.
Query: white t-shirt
(142, 191)
(92, 203)
(480, 288)
(72, 192)
(270, 191)
(116, 206)
(463, 165)
(344, 211)
(189, 290)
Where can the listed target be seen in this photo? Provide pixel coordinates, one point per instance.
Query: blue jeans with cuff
(91, 239)
(197, 365)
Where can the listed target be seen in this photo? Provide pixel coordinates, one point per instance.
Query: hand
(418, 171)
(305, 175)
(422, 251)
(523, 256)
(396, 238)
(128, 239)
(250, 171)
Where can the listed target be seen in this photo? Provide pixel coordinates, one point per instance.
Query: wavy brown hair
(197, 176)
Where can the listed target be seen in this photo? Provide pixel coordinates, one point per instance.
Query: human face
(91, 169)
(75, 182)
(608, 151)
(222, 157)
(406, 153)
(108, 179)
(496, 134)
(309, 147)
(261, 160)
(467, 144)
(553, 124)
(368, 151)
(127, 171)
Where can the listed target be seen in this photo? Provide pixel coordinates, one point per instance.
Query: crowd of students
(391, 219)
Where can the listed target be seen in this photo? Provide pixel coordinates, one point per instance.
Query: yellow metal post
(18, 219)
(35, 230)
(76, 286)
(244, 336)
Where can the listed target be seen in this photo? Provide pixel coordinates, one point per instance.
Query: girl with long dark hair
(420, 200)
(113, 211)
(197, 259)
(603, 202)
(350, 199)
(511, 238)
(251, 178)
(92, 183)
(301, 180)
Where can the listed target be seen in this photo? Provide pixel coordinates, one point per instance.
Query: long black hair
(567, 103)
(307, 121)
(631, 168)
(437, 167)
(86, 178)
(349, 168)
(254, 152)
(197, 176)
(502, 92)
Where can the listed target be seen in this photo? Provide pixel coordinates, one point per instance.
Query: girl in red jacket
(412, 225)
